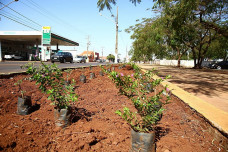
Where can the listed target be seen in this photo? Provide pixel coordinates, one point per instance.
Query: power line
(51, 16)
(37, 10)
(122, 38)
(39, 7)
(15, 18)
(19, 22)
(25, 22)
(22, 15)
(18, 18)
(40, 10)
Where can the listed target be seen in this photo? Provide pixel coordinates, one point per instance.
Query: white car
(101, 60)
(80, 59)
(13, 57)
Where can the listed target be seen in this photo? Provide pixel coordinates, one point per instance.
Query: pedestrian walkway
(216, 116)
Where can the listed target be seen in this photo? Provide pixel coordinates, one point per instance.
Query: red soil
(95, 126)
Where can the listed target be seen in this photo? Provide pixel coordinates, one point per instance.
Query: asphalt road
(8, 67)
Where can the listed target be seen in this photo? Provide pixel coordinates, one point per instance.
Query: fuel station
(31, 45)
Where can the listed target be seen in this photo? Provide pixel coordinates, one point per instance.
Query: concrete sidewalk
(217, 117)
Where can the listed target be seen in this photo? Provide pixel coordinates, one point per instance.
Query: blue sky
(78, 19)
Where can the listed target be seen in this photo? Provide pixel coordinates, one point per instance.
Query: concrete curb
(217, 117)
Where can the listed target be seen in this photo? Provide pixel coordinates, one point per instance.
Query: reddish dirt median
(95, 126)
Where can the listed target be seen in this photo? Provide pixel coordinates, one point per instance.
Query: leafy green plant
(136, 68)
(130, 117)
(50, 80)
(103, 69)
(149, 108)
(125, 83)
(68, 71)
(108, 66)
(90, 67)
(106, 69)
(18, 83)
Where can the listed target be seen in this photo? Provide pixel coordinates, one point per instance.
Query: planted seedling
(24, 103)
(82, 76)
(22, 92)
(68, 71)
(90, 67)
(50, 80)
(101, 73)
(149, 108)
(92, 75)
(108, 67)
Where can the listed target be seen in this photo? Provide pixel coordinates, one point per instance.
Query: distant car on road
(100, 60)
(219, 65)
(13, 57)
(62, 57)
(80, 59)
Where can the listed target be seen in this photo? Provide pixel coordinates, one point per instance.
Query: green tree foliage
(192, 21)
(101, 4)
(111, 57)
(218, 49)
(148, 39)
(196, 27)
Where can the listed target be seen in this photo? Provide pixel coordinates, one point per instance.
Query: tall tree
(190, 20)
(148, 39)
(189, 25)
(111, 57)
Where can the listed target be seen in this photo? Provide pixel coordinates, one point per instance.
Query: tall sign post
(46, 41)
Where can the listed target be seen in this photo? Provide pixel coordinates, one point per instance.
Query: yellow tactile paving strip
(217, 117)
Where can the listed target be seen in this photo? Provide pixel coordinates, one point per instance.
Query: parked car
(80, 59)
(62, 57)
(101, 60)
(13, 57)
(219, 65)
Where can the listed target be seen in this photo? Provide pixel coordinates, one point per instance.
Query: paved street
(14, 66)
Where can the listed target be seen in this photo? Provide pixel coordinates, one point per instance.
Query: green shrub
(50, 80)
(149, 108)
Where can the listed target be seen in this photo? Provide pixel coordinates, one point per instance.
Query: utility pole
(116, 49)
(116, 22)
(102, 52)
(88, 44)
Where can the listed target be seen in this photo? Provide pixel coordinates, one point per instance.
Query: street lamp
(8, 4)
(116, 22)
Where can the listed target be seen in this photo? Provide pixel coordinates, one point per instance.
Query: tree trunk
(194, 56)
(179, 57)
(199, 56)
(225, 57)
(200, 63)
(178, 63)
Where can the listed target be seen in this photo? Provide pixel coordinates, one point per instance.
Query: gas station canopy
(35, 38)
